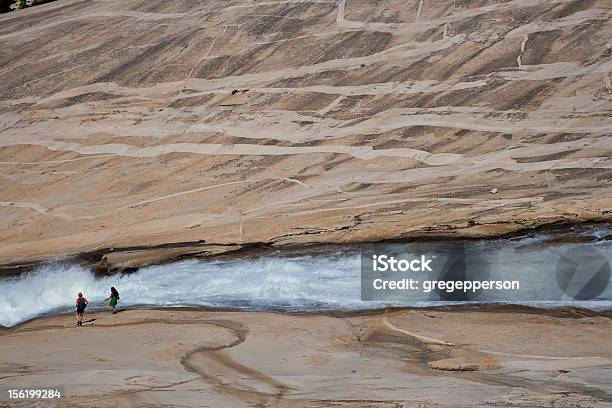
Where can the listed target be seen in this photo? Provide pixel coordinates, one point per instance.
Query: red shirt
(84, 298)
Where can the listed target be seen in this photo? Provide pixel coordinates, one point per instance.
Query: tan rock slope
(144, 122)
(196, 358)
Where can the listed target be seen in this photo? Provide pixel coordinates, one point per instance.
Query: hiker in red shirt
(81, 304)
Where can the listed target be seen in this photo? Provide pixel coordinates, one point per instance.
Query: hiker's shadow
(90, 320)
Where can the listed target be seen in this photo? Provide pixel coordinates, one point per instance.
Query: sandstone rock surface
(131, 122)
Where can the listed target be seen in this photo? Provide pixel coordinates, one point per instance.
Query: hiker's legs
(80, 318)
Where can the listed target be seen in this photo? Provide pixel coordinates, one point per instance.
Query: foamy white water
(304, 283)
(323, 282)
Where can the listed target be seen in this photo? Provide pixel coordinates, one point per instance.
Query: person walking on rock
(114, 298)
(81, 304)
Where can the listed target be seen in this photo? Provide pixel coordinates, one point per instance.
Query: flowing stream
(319, 281)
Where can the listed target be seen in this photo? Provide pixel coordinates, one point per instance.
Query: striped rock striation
(146, 122)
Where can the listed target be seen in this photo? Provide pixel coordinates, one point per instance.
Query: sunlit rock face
(127, 123)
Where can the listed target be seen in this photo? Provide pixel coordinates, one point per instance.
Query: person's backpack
(82, 304)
